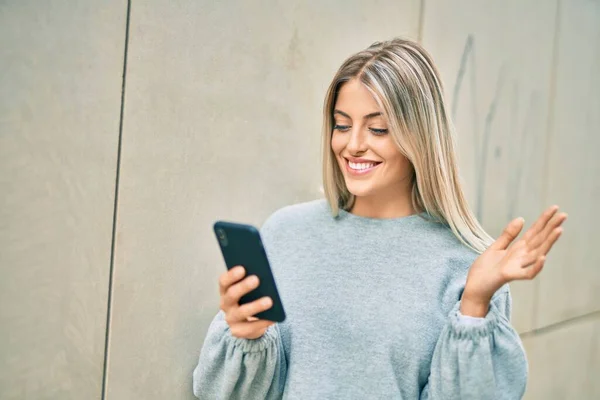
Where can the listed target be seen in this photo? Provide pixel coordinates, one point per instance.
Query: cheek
(398, 164)
(337, 143)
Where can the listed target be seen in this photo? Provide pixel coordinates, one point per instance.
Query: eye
(378, 132)
(341, 128)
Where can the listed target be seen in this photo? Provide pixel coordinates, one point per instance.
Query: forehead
(355, 99)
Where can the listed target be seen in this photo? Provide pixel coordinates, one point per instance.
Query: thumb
(509, 234)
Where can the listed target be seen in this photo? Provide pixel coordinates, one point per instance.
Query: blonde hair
(406, 84)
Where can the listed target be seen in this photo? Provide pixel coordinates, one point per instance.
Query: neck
(394, 206)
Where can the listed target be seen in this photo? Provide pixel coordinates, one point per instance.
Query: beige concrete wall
(565, 347)
(522, 80)
(499, 88)
(221, 120)
(60, 86)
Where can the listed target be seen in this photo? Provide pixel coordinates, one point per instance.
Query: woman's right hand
(240, 317)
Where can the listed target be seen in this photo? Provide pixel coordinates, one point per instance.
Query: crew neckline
(348, 215)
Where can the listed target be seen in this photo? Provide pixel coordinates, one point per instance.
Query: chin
(360, 190)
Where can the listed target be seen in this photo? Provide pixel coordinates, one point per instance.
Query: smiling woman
(374, 169)
(388, 100)
(392, 288)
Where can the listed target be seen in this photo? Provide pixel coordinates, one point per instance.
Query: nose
(356, 142)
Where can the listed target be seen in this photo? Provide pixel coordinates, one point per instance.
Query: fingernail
(238, 271)
(266, 301)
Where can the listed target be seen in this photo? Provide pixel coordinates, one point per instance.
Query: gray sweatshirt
(372, 313)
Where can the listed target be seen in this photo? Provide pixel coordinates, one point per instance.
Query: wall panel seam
(115, 209)
(549, 135)
(561, 324)
(421, 21)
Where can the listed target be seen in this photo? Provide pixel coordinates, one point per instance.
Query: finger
(541, 238)
(511, 231)
(532, 271)
(547, 245)
(541, 222)
(254, 328)
(230, 277)
(235, 292)
(245, 311)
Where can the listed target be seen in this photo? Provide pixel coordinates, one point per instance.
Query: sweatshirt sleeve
(237, 368)
(479, 358)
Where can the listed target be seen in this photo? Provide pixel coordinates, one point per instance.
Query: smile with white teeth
(361, 166)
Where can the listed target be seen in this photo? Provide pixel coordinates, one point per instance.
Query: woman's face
(361, 134)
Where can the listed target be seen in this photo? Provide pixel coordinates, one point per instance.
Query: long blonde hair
(406, 84)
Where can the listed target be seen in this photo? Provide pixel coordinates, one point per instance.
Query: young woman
(392, 289)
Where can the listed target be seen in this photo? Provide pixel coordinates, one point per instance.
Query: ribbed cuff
(469, 320)
(269, 338)
(463, 326)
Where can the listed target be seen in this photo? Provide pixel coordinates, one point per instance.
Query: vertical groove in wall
(421, 21)
(115, 209)
(592, 376)
(549, 138)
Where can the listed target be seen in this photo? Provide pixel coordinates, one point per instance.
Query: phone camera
(222, 237)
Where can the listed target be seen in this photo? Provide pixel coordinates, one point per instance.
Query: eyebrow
(372, 115)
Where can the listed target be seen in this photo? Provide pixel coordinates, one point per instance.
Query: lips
(371, 165)
(361, 160)
(358, 172)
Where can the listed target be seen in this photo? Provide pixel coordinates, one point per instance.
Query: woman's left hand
(499, 264)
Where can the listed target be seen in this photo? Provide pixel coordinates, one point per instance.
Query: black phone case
(243, 246)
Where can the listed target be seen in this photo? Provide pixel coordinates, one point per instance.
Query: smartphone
(241, 245)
